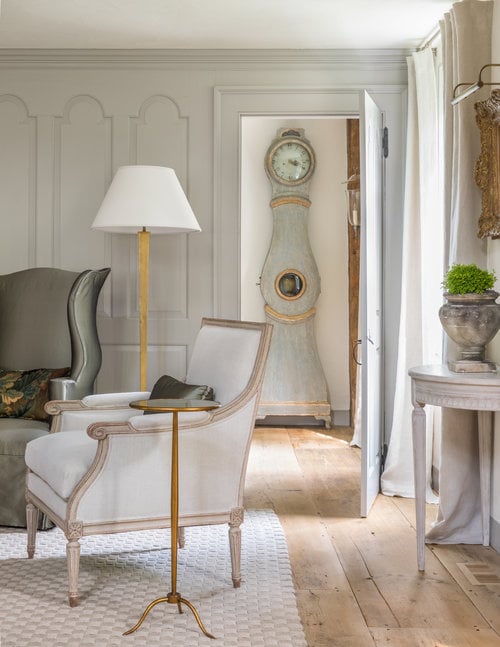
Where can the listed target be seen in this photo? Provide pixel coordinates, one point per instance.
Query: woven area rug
(120, 574)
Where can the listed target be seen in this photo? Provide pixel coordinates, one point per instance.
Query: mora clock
(294, 383)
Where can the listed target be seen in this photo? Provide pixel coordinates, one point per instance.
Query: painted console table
(437, 385)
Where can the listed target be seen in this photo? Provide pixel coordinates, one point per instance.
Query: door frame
(372, 165)
(231, 103)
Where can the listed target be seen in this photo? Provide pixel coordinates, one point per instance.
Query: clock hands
(291, 161)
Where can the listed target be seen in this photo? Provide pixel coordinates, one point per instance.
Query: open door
(371, 162)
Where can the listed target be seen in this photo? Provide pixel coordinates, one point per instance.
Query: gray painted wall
(69, 119)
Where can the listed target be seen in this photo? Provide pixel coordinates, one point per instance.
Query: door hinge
(385, 142)
(382, 458)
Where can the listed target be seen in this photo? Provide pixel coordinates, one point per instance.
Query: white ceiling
(218, 24)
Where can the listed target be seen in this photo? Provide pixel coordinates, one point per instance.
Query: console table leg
(419, 442)
(485, 430)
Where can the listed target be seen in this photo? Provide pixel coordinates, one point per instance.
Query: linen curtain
(466, 38)
(420, 333)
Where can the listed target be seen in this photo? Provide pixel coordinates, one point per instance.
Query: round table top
(174, 404)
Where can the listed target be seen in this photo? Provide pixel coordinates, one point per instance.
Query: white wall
(327, 234)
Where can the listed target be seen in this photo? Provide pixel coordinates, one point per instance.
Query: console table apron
(437, 385)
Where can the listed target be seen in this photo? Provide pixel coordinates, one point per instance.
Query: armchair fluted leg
(73, 559)
(235, 522)
(31, 523)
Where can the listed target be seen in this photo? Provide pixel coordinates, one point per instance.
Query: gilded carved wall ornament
(487, 167)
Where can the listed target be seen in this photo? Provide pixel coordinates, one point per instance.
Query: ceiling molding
(235, 59)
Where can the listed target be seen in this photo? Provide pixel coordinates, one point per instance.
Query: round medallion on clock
(290, 284)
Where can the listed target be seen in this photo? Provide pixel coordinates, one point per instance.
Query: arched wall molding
(77, 157)
(176, 122)
(25, 120)
(76, 101)
(17, 101)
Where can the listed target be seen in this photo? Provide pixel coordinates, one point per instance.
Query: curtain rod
(430, 38)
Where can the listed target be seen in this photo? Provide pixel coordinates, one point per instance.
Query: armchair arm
(72, 415)
(114, 399)
(137, 424)
(210, 451)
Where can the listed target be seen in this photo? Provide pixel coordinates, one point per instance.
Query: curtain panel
(466, 47)
(420, 336)
(466, 37)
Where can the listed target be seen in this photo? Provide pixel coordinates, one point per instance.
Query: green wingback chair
(49, 349)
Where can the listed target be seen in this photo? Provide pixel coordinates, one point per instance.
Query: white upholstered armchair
(106, 469)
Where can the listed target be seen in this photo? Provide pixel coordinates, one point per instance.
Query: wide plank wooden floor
(356, 580)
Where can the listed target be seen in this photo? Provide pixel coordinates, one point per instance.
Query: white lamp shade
(149, 197)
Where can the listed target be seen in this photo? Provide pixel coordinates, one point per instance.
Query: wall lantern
(352, 200)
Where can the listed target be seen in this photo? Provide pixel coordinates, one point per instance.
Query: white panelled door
(371, 156)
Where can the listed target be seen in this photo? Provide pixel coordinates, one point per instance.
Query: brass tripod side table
(173, 406)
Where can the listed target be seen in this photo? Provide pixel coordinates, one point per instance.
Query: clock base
(320, 411)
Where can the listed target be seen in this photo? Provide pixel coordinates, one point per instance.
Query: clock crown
(290, 132)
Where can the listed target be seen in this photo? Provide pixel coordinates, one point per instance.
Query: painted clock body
(294, 383)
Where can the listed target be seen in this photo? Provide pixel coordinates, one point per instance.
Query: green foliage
(468, 279)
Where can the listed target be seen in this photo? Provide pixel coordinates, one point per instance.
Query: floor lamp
(145, 200)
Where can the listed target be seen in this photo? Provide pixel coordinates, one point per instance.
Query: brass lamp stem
(143, 242)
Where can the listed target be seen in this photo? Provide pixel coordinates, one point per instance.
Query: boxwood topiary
(468, 279)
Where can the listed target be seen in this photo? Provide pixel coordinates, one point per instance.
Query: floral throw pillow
(23, 394)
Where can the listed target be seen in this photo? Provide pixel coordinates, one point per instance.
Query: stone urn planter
(471, 319)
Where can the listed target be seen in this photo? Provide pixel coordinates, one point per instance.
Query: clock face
(291, 162)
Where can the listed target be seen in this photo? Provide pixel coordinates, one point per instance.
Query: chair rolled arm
(74, 415)
(114, 399)
(99, 401)
(99, 430)
(159, 422)
(56, 407)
